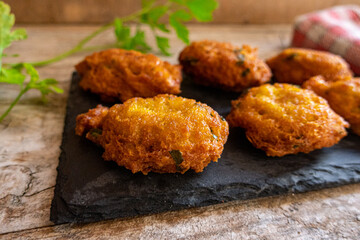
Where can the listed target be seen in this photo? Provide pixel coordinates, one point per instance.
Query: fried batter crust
(284, 119)
(296, 65)
(223, 65)
(343, 97)
(142, 133)
(94, 118)
(122, 74)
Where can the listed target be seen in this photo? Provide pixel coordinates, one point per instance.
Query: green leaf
(152, 18)
(139, 42)
(122, 32)
(18, 34)
(7, 21)
(181, 31)
(12, 76)
(181, 15)
(31, 71)
(202, 9)
(49, 81)
(18, 66)
(162, 27)
(46, 86)
(57, 89)
(156, 13)
(163, 45)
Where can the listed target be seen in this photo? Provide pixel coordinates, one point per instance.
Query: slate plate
(89, 189)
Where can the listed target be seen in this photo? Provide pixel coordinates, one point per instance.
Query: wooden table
(29, 150)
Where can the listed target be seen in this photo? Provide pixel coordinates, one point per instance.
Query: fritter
(342, 96)
(284, 119)
(296, 65)
(223, 65)
(122, 74)
(164, 134)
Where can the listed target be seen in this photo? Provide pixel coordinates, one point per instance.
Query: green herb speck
(192, 61)
(95, 132)
(245, 72)
(213, 134)
(291, 56)
(178, 159)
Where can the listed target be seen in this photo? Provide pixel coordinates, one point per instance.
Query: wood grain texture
(326, 214)
(229, 11)
(30, 138)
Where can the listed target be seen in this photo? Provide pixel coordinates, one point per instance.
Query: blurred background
(101, 11)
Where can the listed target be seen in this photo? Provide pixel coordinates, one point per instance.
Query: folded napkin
(336, 30)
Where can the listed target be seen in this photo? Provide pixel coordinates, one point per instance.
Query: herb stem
(22, 92)
(80, 46)
(1, 55)
(76, 49)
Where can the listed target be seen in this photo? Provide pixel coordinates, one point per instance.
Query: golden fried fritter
(223, 65)
(164, 134)
(342, 96)
(296, 65)
(284, 119)
(122, 74)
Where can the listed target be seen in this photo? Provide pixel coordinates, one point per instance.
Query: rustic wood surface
(29, 149)
(229, 11)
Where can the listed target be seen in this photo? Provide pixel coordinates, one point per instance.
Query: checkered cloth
(336, 30)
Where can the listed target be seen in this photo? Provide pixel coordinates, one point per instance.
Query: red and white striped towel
(336, 30)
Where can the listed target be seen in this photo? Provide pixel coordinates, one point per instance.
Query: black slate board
(89, 189)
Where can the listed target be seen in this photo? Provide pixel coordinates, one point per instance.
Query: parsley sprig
(14, 74)
(152, 14)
